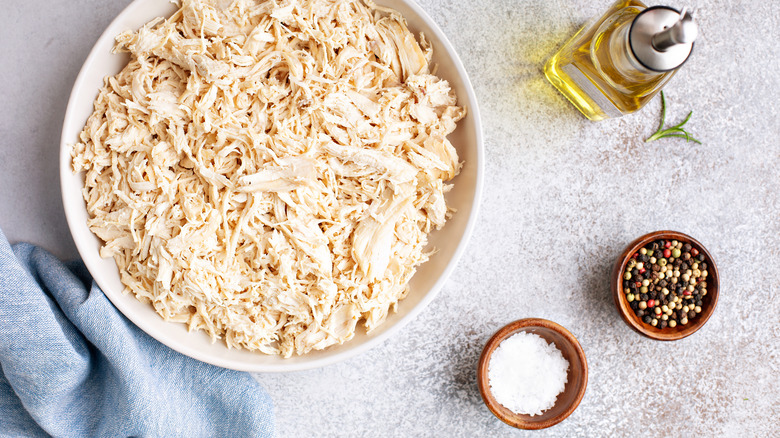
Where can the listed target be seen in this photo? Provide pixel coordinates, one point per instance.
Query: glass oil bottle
(616, 65)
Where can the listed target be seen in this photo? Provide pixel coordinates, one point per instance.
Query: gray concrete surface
(562, 197)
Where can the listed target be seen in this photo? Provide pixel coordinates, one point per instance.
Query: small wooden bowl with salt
(576, 375)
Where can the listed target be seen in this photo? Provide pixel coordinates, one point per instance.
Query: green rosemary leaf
(681, 124)
(672, 131)
(687, 137)
(663, 112)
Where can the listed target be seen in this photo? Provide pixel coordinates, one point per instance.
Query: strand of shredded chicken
(268, 171)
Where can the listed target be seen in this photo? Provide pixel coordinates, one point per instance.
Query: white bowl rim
(71, 206)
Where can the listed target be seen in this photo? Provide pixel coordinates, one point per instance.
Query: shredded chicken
(269, 171)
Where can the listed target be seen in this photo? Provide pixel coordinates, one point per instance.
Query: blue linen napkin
(73, 366)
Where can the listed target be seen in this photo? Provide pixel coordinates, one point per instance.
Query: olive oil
(605, 71)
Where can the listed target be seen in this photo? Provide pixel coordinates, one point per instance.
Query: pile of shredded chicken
(269, 171)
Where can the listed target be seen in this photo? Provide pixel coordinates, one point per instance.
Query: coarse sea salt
(526, 374)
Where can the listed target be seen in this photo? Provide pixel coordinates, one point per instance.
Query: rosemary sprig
(674, 131)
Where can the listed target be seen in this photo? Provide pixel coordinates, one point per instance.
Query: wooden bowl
(577, 378)
(709, 301)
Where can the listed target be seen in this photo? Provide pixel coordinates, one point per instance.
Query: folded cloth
(73, 366)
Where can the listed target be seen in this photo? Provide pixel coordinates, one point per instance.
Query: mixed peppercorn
(665, 282)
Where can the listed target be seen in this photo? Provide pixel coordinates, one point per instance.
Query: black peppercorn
(647, 319)
(687, 247)
(644, 297)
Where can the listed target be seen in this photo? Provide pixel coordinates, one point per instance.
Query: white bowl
(450, 241)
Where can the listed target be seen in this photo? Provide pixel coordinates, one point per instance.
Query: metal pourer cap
(661, 38)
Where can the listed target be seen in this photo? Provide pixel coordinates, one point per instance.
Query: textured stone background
(562, 197)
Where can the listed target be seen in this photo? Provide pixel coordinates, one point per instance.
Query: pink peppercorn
(667, 253)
